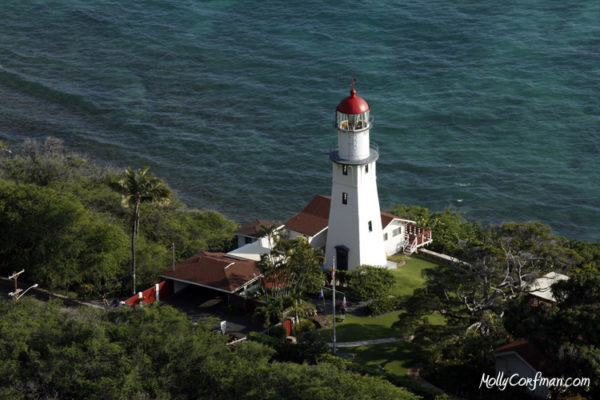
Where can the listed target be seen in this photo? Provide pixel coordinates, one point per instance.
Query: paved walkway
(366, 342)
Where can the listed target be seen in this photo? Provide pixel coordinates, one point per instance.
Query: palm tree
(136, 188)
(270, 232)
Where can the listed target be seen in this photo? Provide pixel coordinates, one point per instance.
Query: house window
(396, 232)
(249, 240)
(385, 236)
(344, 198)
(345, 169)
(370, 226)
(367, 168)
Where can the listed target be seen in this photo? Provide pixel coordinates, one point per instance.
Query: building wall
(165, 289)
(178, 286)
(394, 244)
(242, 240)
(319, 240)
(512, 364)
(349, 223)
(354, 145)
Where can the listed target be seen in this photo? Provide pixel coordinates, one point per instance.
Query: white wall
(241, 239)
(394, 244)
(349, 223)
(319, 240)
(293, 234)
(353, 145)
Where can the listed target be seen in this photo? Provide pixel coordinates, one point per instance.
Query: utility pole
(18, 293)
(173, 246)
(333, 277)
(15, 276)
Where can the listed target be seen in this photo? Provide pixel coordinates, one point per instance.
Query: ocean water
(491, 108)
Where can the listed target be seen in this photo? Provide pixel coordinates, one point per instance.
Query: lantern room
(353, 124)
(352, 114)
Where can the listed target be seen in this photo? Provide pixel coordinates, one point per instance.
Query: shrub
(277, 332)
(264, 339)
(368, 282)
(305, 325)
(383, 304)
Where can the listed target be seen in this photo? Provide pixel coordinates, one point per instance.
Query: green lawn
(360, 328)
(408, 278)
(395, 358)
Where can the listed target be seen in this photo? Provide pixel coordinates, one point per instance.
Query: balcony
(334, 155)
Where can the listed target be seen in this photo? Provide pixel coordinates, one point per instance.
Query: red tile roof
(220, 271)
(315, 217)
(254, 228)
(386, 218)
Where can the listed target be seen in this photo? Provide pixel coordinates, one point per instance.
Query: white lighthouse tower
(354, 235)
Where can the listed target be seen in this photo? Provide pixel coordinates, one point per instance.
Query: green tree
(292, 269)
(137, 187)
(567, 332)
(474, 294)
(60, 244)
(155, 352)
(451, 230)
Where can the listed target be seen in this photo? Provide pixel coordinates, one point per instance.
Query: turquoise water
(492, 108)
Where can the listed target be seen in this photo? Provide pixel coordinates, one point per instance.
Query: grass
(395, 358)
(409, 276)
(361, 328)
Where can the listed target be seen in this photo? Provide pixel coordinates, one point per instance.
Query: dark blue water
(492, 108)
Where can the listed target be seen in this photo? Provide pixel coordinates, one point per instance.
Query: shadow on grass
(350, 332)
(395, 358)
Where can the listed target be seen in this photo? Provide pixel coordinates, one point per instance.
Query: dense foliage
(451, 230)
(156, 353)
(63, 222)
(368, 283)
(292, 272)
(569, 332)
(293, 268)
(58, 242)
(476, 298)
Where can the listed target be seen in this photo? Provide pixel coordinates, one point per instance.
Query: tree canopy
(62, 221)
(154, 352)
(60, 244)
(568, 333)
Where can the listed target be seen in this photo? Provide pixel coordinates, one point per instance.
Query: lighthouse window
(344, 198)
(370, 226)
(345, 169)
(367, 168)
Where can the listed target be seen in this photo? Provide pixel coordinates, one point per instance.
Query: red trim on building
(165, 289)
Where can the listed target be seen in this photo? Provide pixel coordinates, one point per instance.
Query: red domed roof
(353, 104)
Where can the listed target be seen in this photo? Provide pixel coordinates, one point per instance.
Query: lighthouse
(354, 234)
